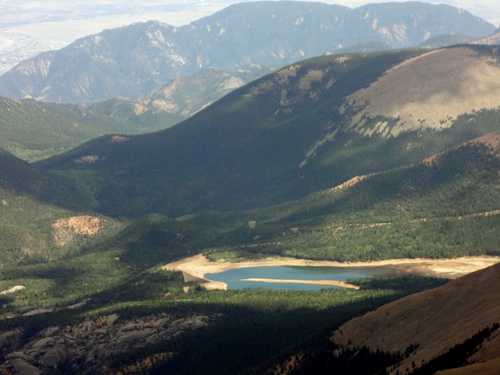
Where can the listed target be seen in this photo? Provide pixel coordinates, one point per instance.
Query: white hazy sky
(63, 22)
(489, 10)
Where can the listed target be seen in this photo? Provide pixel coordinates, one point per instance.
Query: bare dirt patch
(353, 181)
(118, 139)
(429, 91)
(140, 109)
(89, 159)
(312, 75)
(488, 368)
(491, 140)
(13, 289)
(66, 229)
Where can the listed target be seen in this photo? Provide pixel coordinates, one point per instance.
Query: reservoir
(236, 278)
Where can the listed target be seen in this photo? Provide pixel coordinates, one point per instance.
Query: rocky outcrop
(84, 346)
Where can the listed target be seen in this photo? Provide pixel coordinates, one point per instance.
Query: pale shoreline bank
(194, 268)
(311, 282)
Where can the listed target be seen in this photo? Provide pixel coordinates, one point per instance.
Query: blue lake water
(233, 278)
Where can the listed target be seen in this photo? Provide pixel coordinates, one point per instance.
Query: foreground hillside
(136, 59)
(452, 326)
(309, 127)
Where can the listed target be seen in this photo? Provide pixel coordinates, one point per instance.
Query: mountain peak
(442, 79)
(133, 60)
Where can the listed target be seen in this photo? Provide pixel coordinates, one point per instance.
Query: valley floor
(194, 268)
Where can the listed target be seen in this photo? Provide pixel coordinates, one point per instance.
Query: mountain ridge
(139, 58)
(299, 118)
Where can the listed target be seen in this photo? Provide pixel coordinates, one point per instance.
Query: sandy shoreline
(194, 268)
(311, 282)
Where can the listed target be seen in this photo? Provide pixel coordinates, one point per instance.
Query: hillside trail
(425, 219)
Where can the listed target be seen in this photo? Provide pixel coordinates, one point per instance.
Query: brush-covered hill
(136, 59)
(308, 127)
(445, 206)
(33, 130)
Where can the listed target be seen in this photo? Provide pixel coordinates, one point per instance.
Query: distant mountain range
(133, 60)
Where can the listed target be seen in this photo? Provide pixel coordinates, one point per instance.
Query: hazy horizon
(29, 27)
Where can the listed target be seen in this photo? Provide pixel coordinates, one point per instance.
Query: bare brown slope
(436, 320)
(489, 368)
(429, 91)
(491, 140)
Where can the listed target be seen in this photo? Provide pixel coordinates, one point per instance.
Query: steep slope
(43, 217)
(432, 322)
(432, 332)
(289, 134)
(134, 60)
(440, 208)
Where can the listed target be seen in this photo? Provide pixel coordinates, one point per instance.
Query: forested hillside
(281, 137)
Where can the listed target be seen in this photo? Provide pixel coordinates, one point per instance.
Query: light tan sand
(312, 282)
(195, 267)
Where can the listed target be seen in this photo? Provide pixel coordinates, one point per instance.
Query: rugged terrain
(311, 119)
(33, 130)
(136, 59)
(86, 345)
(313, 162)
